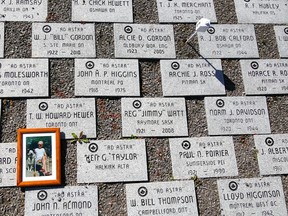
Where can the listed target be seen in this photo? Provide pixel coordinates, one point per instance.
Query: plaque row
(251, 196)
(74, 40)
(109, 161)
(182, 11)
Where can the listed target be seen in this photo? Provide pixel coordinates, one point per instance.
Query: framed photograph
(38, 157)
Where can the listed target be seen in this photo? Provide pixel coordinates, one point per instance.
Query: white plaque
(24, 78)
(69, 200)
(175, 198)
(150, 117)
(8, 159)
(71, 115)
(144, 41)
(203, 157)
(63, 40)
(252, 196)
(193, 77)
(281, 33)
(259, 11)
(237, 115)
(107, 77)
(23, 10)
(272, 152)
(111, 161)
(228, 41)
(265, 76)
(102, 11)
(1, 40)
(185, 11)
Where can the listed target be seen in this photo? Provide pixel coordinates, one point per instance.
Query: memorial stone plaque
(144, 41)
(265, 76)
(203, 157)
(282, 40)
(112, 161)
(252, 196)
(70, 115)
(102, 11)
(107, 77)
(272, 153)
(258, 11)
(17, 10)
(24, 78)
(1, 40)
(192, 77)
(152, 117)
(8, 159)
(185, 11)
(175, 198)
(237, 115)
(63, 40)
(69, 200)
(228, 41)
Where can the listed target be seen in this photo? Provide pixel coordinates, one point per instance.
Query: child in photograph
(41, 156)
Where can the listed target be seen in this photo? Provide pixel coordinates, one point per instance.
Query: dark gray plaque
(21, 10)
(150, 117)
(144, 41)
(102, 11)
(63, 40)
(237, 115)
(265, 76)
(192, 77)
(8, 159)
(112, 161)
(107, 77)
(1, 40)
(69, 200)
(175, 198)
(24, 78)
(70, 115)
(185, 11)
(282, 40)
(228, 41)
(259, 11)
(272, 154)
(203, 157)
(252, 196)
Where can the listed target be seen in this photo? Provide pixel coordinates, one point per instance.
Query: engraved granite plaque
(107, 77)
(144, 41)
(69, 200)
(272, 152)
(63, 40)
(24, 78)
(16, 10)
(258, 11)
(265, 76)
(8, 159)
(237, 115)
(111, 161)
(192, 77)
(102, 11)
(228, 41)
(282, 40)
(185, 11)
(1, 40)
(252, 196)
(175, 198)
(150, 117)
(70, 115)
(203, 157)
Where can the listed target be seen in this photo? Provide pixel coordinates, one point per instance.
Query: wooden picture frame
(38, 157)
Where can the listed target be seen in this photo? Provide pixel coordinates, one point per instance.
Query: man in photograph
(41, 156)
